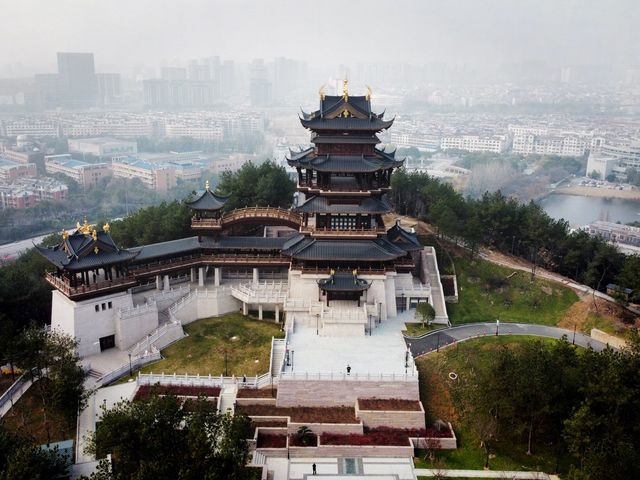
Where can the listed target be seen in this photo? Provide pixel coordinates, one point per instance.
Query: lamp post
(497, 327)
(369, 325)
(317, 321)
(130, 369)
(402, 307)
(291, 359)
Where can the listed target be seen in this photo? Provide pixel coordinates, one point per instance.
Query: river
(580, 210)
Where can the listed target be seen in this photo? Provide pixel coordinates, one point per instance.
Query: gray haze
(125, 33)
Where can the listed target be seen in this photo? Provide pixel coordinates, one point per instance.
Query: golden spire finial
(65, 234)
(106, 227)
(345, 89)
(206, 185)
(84, 228)
(94, 235)
(369, 93)
(321, 92)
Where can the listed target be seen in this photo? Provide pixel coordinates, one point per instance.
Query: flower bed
(257, 393)
(394, 404)
(302, 414)
(147, 391)
(266, 423)
(211, 404)
(447, 286)
(382, 437)
(295, 441)
(266, 440)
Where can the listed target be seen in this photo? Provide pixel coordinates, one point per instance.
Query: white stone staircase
(277, 356)
(261, 292)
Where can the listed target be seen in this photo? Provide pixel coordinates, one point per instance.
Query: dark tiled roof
(207, 200)
(371, 250)
(343, 282)
(358, 139)
(80, 251)
(404, 239)
(345, 163)
(367, 205)
(350, 123)
(249, 243)
(163, 249)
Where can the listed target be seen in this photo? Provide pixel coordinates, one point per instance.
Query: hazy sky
(123, 33)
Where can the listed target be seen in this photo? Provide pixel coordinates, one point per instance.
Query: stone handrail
(15, 386)
(147, 343)
(410, 376)
(196, 380)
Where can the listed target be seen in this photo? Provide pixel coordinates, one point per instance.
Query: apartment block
(87, 175)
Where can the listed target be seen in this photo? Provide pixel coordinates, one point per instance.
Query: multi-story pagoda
(343, 180)
(342, 183)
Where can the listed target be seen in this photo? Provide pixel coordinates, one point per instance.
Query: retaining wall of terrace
(391, 418)
(293, 392)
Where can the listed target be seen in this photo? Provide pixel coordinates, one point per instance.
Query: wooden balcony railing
(206, 224)
(81, 290)
(348, 232)
(354, 188)
(247, 213)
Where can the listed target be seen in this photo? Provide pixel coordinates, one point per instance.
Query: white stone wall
(133, 325)
(404, 280)
(81, 320)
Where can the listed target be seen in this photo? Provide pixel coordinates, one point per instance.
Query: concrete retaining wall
(443, 443)
(255, 401)
(391, 418)
(328, 393)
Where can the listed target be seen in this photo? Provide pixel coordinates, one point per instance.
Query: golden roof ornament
(206, 185)
(345, 89)
(321, 92)
(369, 93)
(65, 234)
(85, 228)
(106, 227)
(94, 235)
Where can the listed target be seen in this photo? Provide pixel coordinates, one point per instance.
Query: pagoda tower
(343, 180)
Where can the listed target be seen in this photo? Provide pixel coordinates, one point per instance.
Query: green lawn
(510, 453)
(201, 352)
(489, 292)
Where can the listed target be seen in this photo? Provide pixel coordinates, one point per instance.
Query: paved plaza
(381, 353)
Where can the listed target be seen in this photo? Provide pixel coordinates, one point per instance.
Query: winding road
(433, 341)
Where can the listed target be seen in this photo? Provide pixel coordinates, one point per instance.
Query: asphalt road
(441, 338)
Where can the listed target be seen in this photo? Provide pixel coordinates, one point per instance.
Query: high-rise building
(173, 73)
(109, 87)
(259, 85)
(227, 79)
(199, 71)
(77, 79)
